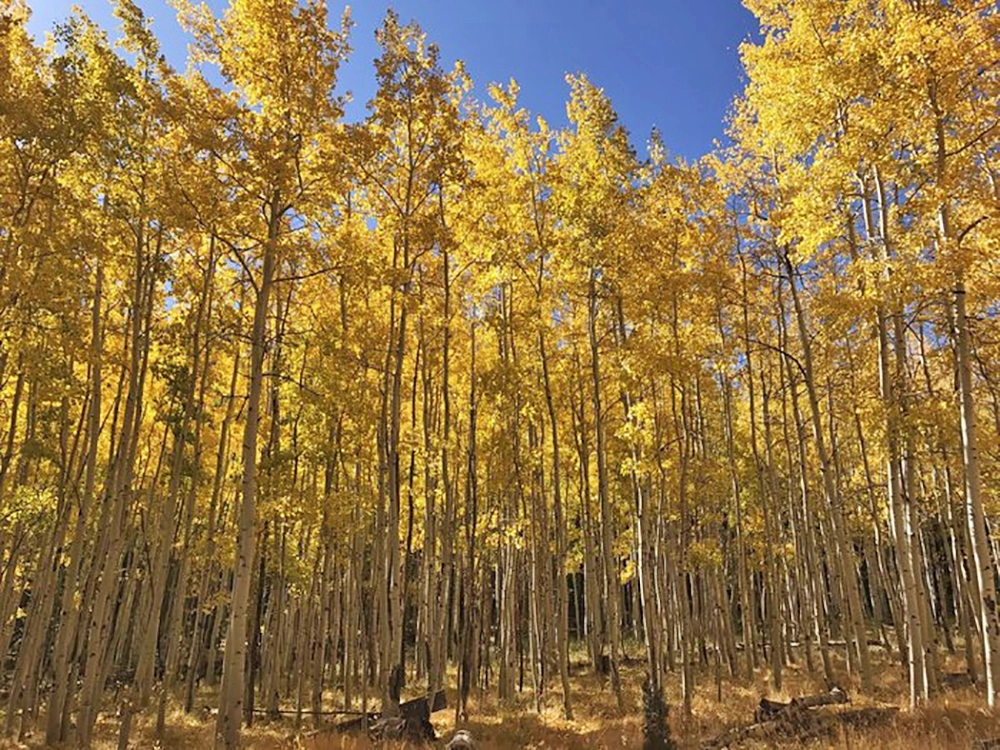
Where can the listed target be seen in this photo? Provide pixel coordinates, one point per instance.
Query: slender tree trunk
(227, 730)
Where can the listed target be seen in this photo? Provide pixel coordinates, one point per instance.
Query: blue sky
(669, 63)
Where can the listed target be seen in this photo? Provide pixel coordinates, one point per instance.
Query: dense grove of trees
(329, 412)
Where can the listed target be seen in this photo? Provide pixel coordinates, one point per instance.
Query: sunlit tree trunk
(612, 585)
(227, 729)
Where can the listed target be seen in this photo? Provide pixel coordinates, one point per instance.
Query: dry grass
(953, 721)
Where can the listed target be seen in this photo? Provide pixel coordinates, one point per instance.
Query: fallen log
(768, 710)
(412, 710)
(304, 712)
(804, 724)
(800, 719)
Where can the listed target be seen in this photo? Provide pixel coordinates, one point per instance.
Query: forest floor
(956, 719)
